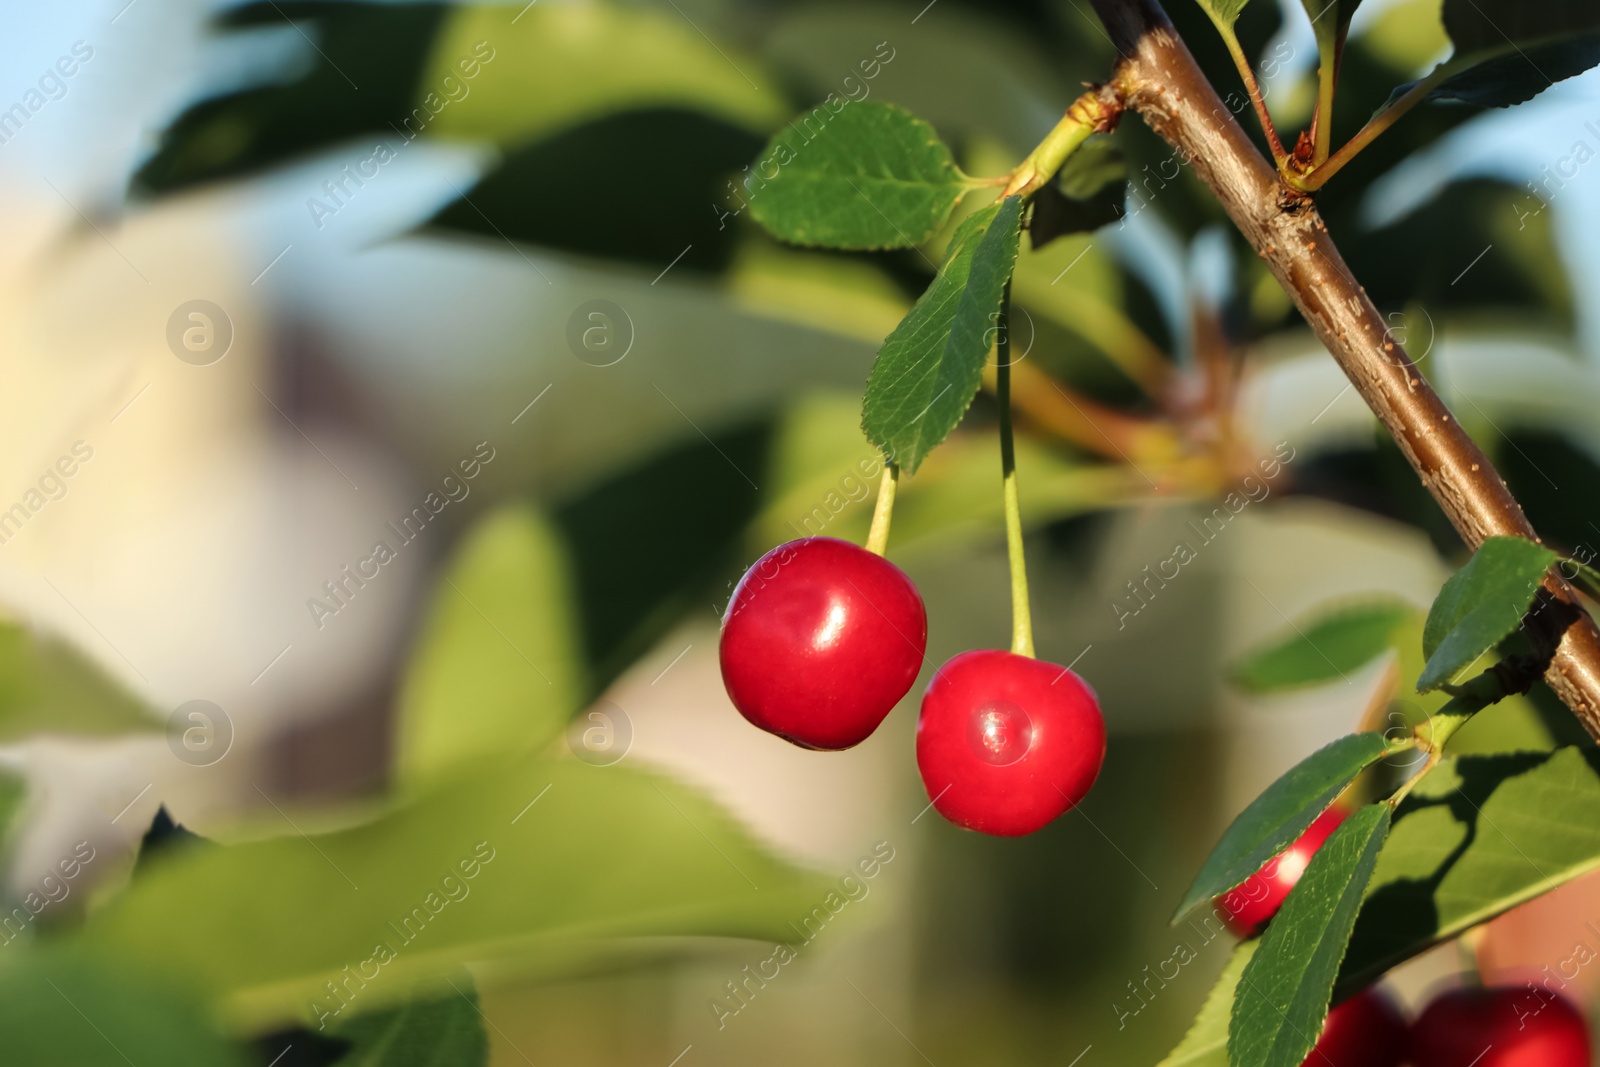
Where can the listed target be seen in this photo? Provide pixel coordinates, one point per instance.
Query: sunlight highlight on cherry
(1248, 906)
(1006, 743)
(1000, 732)
(820, 641)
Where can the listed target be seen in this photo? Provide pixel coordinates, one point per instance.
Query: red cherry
(1365, 1031)
(821, 640)
(1504, 1026)
(1248, 906)
(1006, 743)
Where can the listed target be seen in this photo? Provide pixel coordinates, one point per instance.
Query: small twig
(1161, 80)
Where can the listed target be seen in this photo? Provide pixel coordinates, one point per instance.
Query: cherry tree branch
(1161, 81)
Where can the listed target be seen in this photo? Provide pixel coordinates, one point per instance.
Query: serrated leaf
(1223, 12)
(1328, 645)
(930, 367)
(497, 666)
(1479, 605)
(48, 686)
(1281, 814)
(1479, 836)
(1206, 1043)
(1284, 991)
(519, 865)
(447, 1032)
(868, 176)
(1089, 191)
(1507, 52)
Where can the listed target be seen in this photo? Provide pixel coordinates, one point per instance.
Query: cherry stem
(878, 536)
(1248, 75)
(1087, 114)
(1021, 616)
(1334, 163)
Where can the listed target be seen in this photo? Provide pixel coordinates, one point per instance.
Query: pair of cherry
(1499, 1026)
(822, 638)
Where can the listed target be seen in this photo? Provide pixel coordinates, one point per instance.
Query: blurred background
(275, 277)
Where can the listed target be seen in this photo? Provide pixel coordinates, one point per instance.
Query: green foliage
(1223, 12)
(430, 1033)
(525, 865)
(64, 1009)
(498, 666)
(1281, 813)
(1507, 52)
(1478, 836)
(1330, 21)
(870, 176)
(47, 686)
(1206, 1043)
(556, 66)
(1284, 990)
(1329, 645)
(13, 796)
(930, 367)
(1481, 604)
(1476, 25)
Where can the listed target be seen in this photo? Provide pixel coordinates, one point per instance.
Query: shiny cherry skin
(820, 641)
(1006, 743)
(1502, 1026)
(1365, 1031)
(1247, 907)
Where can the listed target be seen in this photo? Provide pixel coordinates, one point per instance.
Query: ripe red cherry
(1248, 906)
(1365, 1031)
(1504, 1026)
(820, 641)
(1005, 743)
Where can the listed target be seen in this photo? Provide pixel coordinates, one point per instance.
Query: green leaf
(868, 176)
(57, 1009)
(1206, 1043)
(430, 1033)
(930, 367)
(1285, 989)
(1088, 192)
(552, 67)
(1482, 603)
(522, 866)
(1223, 12)
(498, 665)
(1477, 837)
(1329, 645)
(1330, 22)
(1507, 52)
(1281, 814)
(47, 686)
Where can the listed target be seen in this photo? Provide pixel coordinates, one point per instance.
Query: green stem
(1324, 123)
(878, 535)
(1442, 725)
(1087, 114)
(1253, 88)
(1318, 177)
(1021, 616)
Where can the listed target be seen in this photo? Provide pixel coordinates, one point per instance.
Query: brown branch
(1161, 80)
